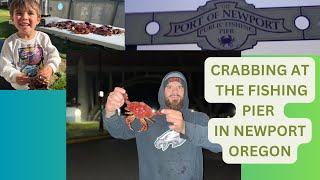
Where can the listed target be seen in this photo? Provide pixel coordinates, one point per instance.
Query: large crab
(139, 110)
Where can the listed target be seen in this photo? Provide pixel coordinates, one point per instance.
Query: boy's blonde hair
(21, 4)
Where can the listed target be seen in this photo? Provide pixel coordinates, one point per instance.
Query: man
(171, 148)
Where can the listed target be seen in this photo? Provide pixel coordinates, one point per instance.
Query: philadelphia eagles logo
(167, 138)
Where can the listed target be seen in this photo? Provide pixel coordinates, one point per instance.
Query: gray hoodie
(163, 153)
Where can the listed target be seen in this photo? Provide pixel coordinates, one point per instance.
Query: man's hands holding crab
(115, 100)
(176, 118)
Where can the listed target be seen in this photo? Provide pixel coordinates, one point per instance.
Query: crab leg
(144, 125)
(149, 119)
(156, 113)
(129, 120)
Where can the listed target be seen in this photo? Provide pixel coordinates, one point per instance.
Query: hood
(161, 98)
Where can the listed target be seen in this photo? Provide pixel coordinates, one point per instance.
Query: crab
(38, 82)
(226, 41)
(81, 28)
(139, 110)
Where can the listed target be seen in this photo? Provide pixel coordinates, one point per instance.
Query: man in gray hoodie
(171, 148)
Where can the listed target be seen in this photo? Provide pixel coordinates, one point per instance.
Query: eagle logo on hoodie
(167, 138)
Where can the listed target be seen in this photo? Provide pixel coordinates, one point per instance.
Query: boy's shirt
(27, 56)
(30, 59)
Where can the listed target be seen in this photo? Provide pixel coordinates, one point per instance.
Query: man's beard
(175, 105)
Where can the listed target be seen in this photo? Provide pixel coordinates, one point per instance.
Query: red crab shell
(139, 110)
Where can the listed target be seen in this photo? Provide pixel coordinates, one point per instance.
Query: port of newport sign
(223, 25)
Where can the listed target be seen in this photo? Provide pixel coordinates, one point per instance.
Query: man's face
(174, 93)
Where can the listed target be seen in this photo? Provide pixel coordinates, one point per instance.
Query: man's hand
(22, 79)
(175, 117)
(114, 101)
(46, 72)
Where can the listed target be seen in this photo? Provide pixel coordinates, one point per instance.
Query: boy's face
(25, 20)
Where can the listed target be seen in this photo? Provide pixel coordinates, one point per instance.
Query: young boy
(28, 53)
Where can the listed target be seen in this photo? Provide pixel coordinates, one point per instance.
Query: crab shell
(139, 109)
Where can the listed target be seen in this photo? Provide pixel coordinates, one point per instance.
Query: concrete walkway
(116, 159)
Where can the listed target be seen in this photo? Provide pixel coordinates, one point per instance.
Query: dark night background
(140, 73)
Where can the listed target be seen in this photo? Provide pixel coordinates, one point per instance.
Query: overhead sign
(223, 25)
